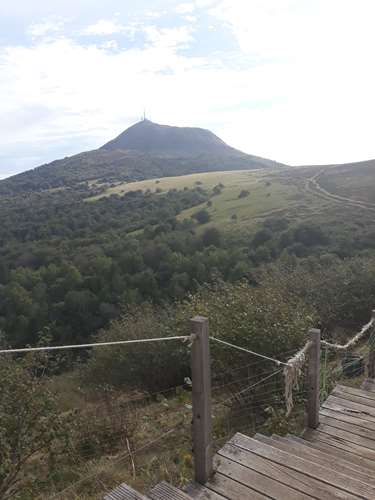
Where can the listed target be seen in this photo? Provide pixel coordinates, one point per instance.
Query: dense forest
(68, 265)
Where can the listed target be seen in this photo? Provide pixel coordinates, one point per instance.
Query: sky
(289, 80)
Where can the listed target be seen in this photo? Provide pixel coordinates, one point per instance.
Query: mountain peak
(152, 138)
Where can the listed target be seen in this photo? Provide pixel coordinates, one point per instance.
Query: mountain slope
(145, 150)
(151, 138)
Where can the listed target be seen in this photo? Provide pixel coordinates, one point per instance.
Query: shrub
(211, 236)
(30, 423)
(202, 217)
(262, 319)
(276, 223)
(217, 189)
(261, 237)
(310, 235)
(342, 292)
(244, 194)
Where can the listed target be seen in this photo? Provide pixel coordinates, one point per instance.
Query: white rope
(248, 351)
(292, 372)
(353, 341)
(99, 344)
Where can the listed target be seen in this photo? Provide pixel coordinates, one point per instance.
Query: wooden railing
(201, 390)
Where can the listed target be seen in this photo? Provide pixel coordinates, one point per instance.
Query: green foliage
(244, 194)
(261, 319)
(202, 216)
(70, 264)
(342, 292)
(71, 270)
(30, 422)
(211, 236)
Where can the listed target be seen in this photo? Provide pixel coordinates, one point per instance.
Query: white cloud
(298, 88)
(168, 37)
(185, 8)
(46, 27)
(110, 45)
(104, 27)
(320, 76)
(190, 19)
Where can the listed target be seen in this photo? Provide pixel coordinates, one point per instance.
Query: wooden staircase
(335, 461)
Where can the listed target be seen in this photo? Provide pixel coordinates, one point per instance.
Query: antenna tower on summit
(144, 115)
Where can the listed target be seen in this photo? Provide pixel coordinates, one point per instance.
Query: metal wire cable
(98, 344)
(278, 362)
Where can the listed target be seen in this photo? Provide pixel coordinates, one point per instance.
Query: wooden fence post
(313, 380)
(371, 359)
(201, 391)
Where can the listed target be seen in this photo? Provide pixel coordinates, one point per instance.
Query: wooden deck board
(319, 458)
(199, 492)
(348, 427)
(364, 411)
(265, 485)
(350, 418)
(333, 481)
(337, 449)
(302, 484)
(124, 492)
(233, 490)
(356, 392)
(353, 397)
(165, 491)
(317, 436)
(349, 437)
(340, 457)
(335, 461)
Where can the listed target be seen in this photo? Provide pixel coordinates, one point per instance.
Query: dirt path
(312, 185)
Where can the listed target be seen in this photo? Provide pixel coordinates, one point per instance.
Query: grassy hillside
(336, 196)
(354, 182)
(267, 194)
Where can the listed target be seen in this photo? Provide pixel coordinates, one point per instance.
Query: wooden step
(200, 492)
(355, 391)
(349, 437)
(317, 436)
(349, 417)
(330, 481)
(343, 393)
(320, 458)
(336, 422)
(231, 462)
(231, 489)
(268, 474)
(124, 492)
(165, 491)
(336, 449)
(340, 457)
(350, 408)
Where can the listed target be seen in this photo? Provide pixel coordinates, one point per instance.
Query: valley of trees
(69, 265)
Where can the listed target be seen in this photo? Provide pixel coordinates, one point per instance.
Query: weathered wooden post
(201, 391)
(313, 380)
(371, 359)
